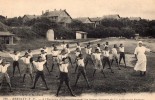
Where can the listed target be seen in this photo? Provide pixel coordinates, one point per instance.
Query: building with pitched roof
(29, 17)
(85, 20)
(81, 35)
(135, 18)
(96, 21)
(6, 37)
(58, 16)
(115, 16)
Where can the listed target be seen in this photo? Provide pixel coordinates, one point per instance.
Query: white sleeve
(11, 55)
(35, 63)
(44, 62)
(46, 53)
(119, 49)
(29, 57)
(18, 54)
(31, 54)
(22, 58)
(52, 52)
(67, 65)
(135, 51)
(68, 51)
(91, 49)
(8, 65)
(148, 50)
(59, 57)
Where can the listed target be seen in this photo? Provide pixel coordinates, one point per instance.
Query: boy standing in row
(3, 73)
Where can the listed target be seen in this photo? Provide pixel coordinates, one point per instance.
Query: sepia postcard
(77, 50)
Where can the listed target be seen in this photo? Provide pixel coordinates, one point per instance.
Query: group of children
(62, 59)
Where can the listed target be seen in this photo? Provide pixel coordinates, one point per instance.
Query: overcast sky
(80, 8)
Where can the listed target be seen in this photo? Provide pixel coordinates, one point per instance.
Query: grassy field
(125, 80)
(39, 43)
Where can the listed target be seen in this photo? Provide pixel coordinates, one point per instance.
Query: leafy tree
(14, 22)
(3, 19)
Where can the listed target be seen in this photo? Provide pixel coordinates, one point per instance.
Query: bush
(40, 28)
(26, 33)
(63, 32)
(127, 32)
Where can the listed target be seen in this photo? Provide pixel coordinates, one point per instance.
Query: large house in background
(115, 16)
(96, 21)
(29, 17)
(59, 16)
(85, 20)
(135, 18)
(62, 17)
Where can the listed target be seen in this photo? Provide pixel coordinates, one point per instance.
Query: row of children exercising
(62, 59)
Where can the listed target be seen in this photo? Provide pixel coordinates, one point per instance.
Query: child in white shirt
(122, 54)
(88, 50)
(28, 68)
(77, 53)
(68, 54)
(3, 73)
(44, 57)
(45, 49)
(78, 46)
(15, 56)
(63, 45)
(52, 47)
(55, 59)
(98, 63)
(81, 69)
(98, 47)
(115, 56)
(106, 59)
(106, 44)
(64, 75)
(31, 59)
(39, 64)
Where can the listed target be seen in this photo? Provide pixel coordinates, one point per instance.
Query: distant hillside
(3, 27)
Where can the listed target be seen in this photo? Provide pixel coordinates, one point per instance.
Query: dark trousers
(16, 64)
(89, 59)
(116, 59)
(122, 56)
(107, 60)
(82, 71)
(40, 74)
(70, 60)
(47, 68)
(55, 60)
(31, 61)
(64, 78)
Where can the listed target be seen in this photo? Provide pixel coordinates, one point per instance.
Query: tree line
(107, 28)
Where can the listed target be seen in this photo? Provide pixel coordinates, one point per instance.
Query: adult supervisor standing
(141, 58)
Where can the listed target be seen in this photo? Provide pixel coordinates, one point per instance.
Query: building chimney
(54, 9)
(47, 10)
(42, 12)
(6, 17)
